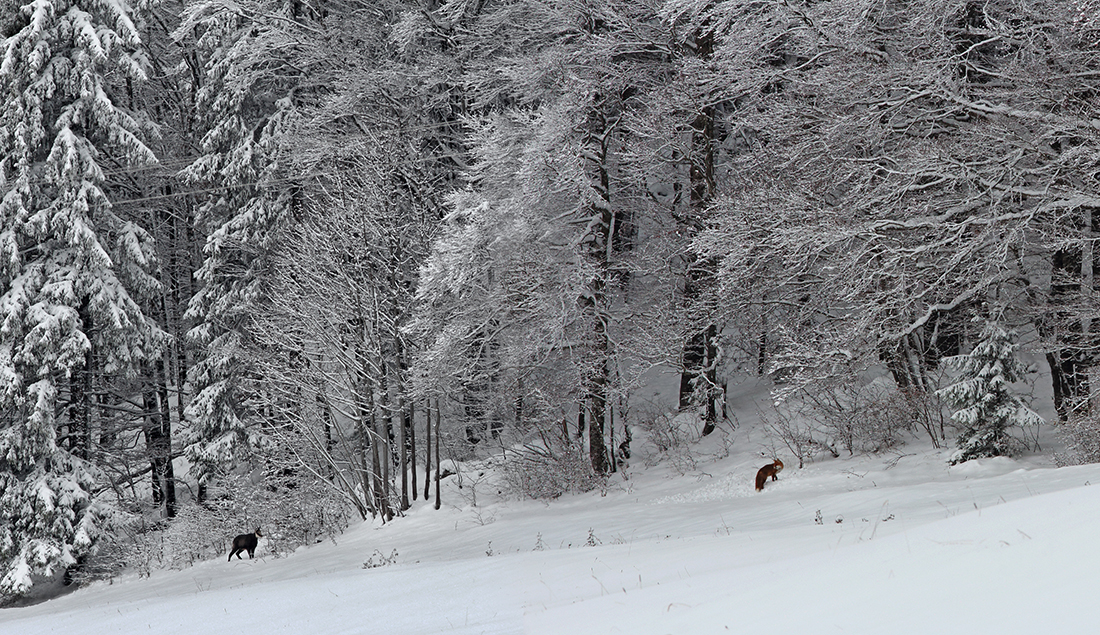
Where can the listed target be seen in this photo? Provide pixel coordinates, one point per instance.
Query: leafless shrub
(546, 470)
(667, 438)
(926, 412)
(1081, 436)
(799, 436)
(379, 559)
(860, 419)
(867, 419)
(197, 533)
(135, 547)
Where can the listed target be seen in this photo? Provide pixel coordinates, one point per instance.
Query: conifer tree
(70, 269)
(244, 104)
(985, 405)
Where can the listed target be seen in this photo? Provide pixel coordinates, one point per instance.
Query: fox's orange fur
(766, 471)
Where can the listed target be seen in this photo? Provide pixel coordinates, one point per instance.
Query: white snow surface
(905, 545)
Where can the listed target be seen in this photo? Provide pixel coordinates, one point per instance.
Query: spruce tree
(69, 265)
(244, 103)
(983, 399)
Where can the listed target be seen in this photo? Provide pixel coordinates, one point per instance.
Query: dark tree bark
(403, 454)
(1069, 359)
(158, 439)
(698, 377)
(594, 302)
(410, 419)
(167, 472)
(437, 424)
(80, 409)
(597, 400)
(428, 449)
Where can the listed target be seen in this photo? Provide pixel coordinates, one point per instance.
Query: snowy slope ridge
(862, 545)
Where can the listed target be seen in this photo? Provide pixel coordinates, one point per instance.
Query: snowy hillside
(883, 544)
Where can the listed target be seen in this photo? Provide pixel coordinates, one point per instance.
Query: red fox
(766, 471)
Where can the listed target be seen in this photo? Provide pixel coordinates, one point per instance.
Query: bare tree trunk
(379, 475)
(1069, 363)
(611, 438)
(363, 403)
(410, 419)
(597, 399)
(387, 461)
(403, 453)
(157, 443)
(437, 461)
(593, 303)
(428, 449)
(698, 377)
(168, 475)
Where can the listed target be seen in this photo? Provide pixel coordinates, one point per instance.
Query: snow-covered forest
(300, 264)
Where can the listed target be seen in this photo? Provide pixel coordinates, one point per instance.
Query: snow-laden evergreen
(243, 106)
(986, 408)
(70, 267)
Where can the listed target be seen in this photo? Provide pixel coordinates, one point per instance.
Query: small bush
(802, 438)
(546, 471)
(379, 559)
(867, 419)
(925, 411)
(667, 438)
(1082, 438)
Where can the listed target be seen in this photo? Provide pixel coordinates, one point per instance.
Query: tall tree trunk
(698, 377)
(1070, 358)
(80, 397)
(387, 461)
(762, 344)
(168, 474)
(157, 441)
(438, 423)
(367, 471)
(403, 453)
(325, 409)
(597, 400)
(611, 438)
(410, 420)
(80, 409)
(594, 303)
(380, 448)
(365, 413)
(428, 449)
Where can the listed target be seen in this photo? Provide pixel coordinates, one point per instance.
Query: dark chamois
(245, 542)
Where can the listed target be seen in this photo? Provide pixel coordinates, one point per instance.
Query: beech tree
(898, 165)
(697, 126)
(329, 343)
(530, 270)
(362, 109)
(72, 274)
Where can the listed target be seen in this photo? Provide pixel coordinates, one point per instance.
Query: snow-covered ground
(898, 543)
